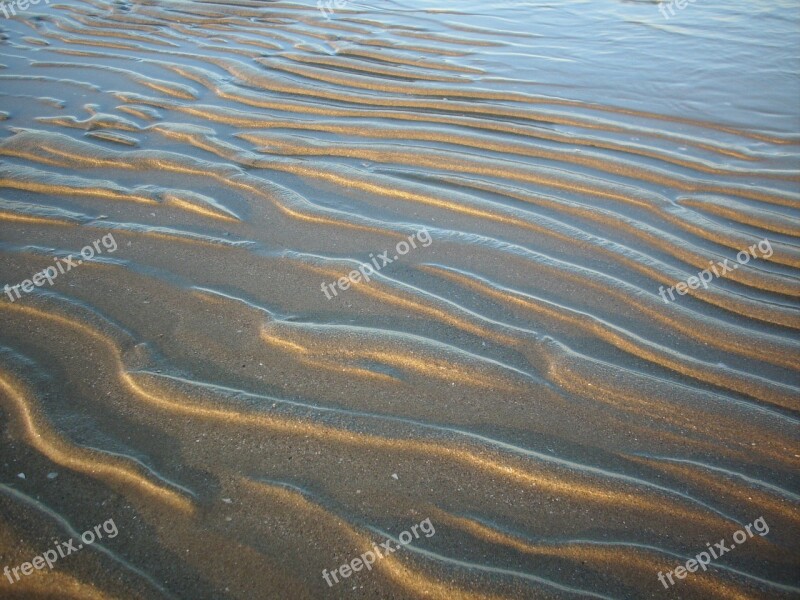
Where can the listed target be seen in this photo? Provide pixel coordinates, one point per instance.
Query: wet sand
(536, 177)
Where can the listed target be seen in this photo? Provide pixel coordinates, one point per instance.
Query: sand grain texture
(517, 379)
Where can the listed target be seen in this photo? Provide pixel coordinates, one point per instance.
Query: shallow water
(534, 365)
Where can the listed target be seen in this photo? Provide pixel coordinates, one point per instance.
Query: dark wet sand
(518, 379)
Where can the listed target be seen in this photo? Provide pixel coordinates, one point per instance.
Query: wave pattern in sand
(518, 380)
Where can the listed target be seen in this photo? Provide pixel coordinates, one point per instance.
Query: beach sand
(361, 266)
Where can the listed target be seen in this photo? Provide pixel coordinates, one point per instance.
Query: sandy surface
(536, 177)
